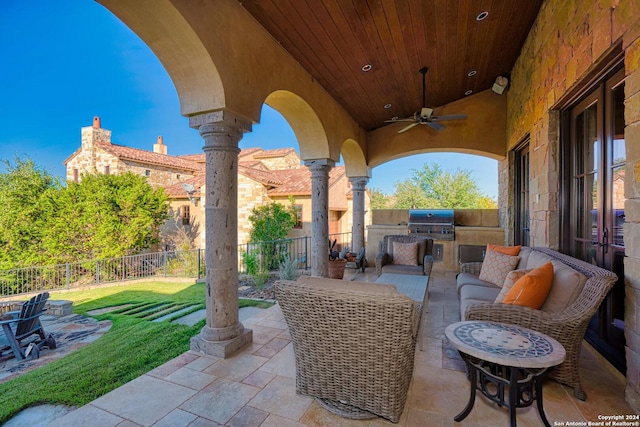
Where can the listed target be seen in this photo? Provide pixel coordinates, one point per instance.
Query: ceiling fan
(425, 115)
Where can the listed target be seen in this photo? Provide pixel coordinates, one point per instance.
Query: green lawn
(133, 346)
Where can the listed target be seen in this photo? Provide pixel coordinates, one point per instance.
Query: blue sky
(63, 62)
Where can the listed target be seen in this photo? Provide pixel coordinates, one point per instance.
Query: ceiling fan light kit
(425, 115)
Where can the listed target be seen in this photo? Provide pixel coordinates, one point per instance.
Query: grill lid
(431, 217)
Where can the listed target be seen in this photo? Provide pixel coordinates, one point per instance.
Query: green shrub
(289, 269)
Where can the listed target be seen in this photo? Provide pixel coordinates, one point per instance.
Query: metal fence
(85, 273)
(268, 255)
(155, 264)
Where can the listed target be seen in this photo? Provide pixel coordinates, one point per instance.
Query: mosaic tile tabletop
(506, 345)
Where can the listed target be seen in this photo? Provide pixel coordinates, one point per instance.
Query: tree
(433, 188)
(379, 200)
(270, 222)
(23, 217)
(104, 216)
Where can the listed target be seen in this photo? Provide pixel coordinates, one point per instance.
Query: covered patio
(547, 88)
(256, 386)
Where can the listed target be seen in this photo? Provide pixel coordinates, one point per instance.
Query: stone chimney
(94, 133)
(160, 147)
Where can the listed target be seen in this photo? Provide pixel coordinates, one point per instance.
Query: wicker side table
(506, 363)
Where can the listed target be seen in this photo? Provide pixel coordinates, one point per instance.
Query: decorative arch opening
(354, 159)
(311, 135)
(187, 61)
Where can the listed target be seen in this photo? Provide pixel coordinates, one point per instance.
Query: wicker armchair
(384, 259)
(568, 327)
(354, 344)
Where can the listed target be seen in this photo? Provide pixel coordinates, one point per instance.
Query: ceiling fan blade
(406, 128)
(399, 120)
(436, 126)
(450, 117)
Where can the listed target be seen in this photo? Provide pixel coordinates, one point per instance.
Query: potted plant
(337, 262)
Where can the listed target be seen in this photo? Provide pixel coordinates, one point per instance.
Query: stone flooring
(257, 386)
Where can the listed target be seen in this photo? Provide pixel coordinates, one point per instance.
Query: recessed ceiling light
(482, 15)
(366, 67)
(472, 73)
(469, 92)
(387, 106)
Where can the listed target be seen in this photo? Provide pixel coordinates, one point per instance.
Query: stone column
(358, 184)
(223, 334)
(320, 215)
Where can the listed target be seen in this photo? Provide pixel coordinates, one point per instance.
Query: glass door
(597, 164)
(521, 235)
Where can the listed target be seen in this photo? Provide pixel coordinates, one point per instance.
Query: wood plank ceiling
(334, 39)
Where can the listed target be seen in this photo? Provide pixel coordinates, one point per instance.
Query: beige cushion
(405, 253)
(566, 287)
(496, 266)
(567, 283)
(524, 257)
(512, 277)
(322, 282)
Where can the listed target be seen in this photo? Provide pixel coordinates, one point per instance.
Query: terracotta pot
(336, 268)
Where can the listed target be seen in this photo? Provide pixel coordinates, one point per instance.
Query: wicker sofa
(384, 259)
(354, 344)
(577, 291)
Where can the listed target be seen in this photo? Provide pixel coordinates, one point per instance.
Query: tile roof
(176, 191)
(297, 182)
(149, 157)
(198, 158)
(278, 152)
(249, 151)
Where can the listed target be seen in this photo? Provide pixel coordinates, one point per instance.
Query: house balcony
(256, 387)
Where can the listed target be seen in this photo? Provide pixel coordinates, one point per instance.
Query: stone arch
(187, 61)
(214, 67)
(355, 161)
(311, 135)
(482, 133)
(440, 150)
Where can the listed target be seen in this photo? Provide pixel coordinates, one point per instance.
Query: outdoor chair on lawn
(19, 326)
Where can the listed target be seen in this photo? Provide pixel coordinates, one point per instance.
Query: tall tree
(432, 187)
(105, 216)
(23, 217)
(379, 200)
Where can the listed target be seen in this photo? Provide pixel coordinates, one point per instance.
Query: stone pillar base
(223, 349)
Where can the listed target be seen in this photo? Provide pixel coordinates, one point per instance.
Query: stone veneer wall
(159, 176)
(250, 194)
(290, 161)
(632, 210)
(89, 159)
(565, 43)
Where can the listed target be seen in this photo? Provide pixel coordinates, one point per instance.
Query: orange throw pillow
(507, 250)
(532, 289)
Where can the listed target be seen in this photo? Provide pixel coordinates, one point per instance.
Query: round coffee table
(506, 363)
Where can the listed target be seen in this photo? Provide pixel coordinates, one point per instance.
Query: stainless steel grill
(435, 223)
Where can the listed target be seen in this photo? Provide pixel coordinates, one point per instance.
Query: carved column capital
(359, 183)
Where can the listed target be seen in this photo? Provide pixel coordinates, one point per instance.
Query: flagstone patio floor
(256, 387)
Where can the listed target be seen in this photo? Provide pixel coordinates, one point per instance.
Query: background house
(264, 176)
